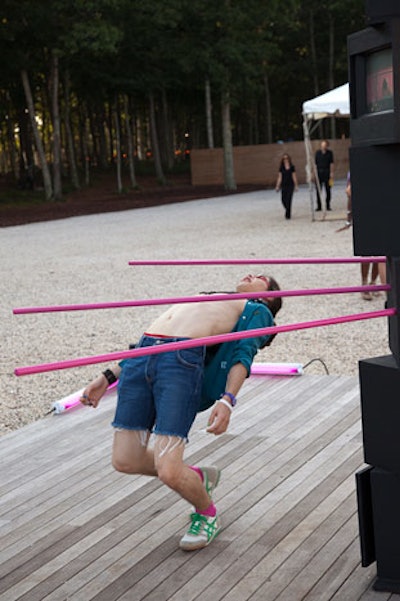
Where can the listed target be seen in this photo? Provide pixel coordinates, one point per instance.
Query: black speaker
(379, 11)
(393, 275)
(385, 493)
(375, 199)
(380, 410)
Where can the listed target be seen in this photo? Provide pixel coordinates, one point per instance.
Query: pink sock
(198, 471)
(211, 511)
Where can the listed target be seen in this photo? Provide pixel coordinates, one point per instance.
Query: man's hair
(273, 304)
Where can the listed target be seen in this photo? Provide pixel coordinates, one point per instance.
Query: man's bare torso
(195, 320)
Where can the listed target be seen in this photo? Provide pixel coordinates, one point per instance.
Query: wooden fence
(259, 164)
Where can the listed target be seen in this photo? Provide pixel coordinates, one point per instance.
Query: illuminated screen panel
(379, 72)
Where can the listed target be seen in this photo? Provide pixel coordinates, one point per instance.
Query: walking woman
(287, 183)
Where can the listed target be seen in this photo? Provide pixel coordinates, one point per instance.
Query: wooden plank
(52, 447)
(49, 477)
(215, 581)
(372, 595)
(250, 537)
(230, 554)
(140, 536)
(64, 507)
(288, 463)
(309, 571)
(358, 585)
(138, 509)
(53, 428)
(213, 591)
(80, 510)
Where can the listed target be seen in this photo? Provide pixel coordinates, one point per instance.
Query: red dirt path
(103, 198)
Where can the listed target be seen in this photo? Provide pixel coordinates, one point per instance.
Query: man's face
(253, 283)
(324, 146)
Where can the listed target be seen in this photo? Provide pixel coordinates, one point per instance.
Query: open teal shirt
(255, 315)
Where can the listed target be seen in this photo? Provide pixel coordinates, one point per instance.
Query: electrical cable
(320, 360)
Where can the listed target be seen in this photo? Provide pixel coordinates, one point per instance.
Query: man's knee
(128, 451)
(170, 474)
(168, 458)
(125, 467)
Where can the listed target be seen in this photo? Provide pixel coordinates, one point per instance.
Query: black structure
(374, 62)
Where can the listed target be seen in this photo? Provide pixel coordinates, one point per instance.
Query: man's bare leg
(168, 457)
(204, 526)
(131, 454)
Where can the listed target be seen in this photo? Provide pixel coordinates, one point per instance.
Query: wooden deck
(72, 528)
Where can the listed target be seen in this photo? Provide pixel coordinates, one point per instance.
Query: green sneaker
(201, 532)
(211, 476)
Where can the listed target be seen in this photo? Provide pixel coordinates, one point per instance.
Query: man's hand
(94, 391)
(219, 419)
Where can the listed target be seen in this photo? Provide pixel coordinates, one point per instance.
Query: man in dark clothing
(325, 170)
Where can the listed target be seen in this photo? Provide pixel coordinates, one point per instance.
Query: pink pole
(196, 299)
(276, 369)
(298, 261)
(206, 341)
(73, 400)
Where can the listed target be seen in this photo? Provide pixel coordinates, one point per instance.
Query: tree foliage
(155, 61)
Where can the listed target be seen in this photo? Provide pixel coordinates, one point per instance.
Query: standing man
(325, 171)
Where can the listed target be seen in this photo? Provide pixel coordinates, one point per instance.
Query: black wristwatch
(110, 376)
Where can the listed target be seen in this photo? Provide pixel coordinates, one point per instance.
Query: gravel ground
(85, 259)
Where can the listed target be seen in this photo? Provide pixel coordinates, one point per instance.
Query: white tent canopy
(335, 103)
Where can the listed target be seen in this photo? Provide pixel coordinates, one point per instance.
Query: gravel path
(85, 259)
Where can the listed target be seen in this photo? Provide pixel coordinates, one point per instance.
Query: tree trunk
(12, 147)
(314, 62)
(140, 144)
(168, 135)
(85, 147)
(209, 119)
(38, 141)
(118, 145)
(25, 138)
(154, 141)
(129, 136)
(100, 126)
(313, 52)
(268, 111)
(229, 171)
(56, 128)
(109, 120)
(254, 125)
(331, 79)
(44, 102)
(70, 138)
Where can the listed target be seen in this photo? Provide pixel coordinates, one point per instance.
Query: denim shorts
(160, 393)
